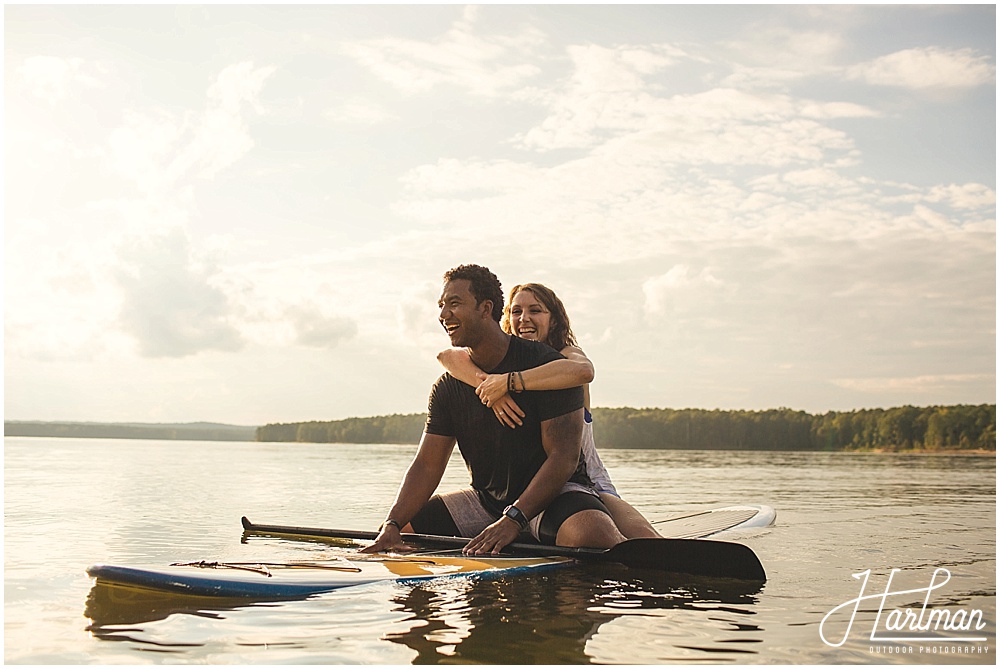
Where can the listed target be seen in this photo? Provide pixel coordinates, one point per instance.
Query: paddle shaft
(691, 556)
(421, 539)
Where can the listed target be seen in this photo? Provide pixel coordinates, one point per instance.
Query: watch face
(515, 514)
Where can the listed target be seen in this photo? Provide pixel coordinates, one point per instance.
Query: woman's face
(529, 319)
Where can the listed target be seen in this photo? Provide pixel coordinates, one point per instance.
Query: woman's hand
(507, 412)
(491, 388)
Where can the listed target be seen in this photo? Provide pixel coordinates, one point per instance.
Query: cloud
(142, 149)
(54, 79)
(634, 200)
(912, 385)
(239, 84)
(964, 196)
(661, 292)
(361, 111)
(651, 186)
(483, 65)
(173, 302)
(169, 305)
(836, 110)
(222, 136)
(57, 302)
(773, 57)
(450, 176)
(606, 91)
(158, 150)
(319, 330)
(803, 49)
(417, 316)
(927, 68)
(655, 177)
(848, 311)
(288, 302)
(661, 168)
(609, 98)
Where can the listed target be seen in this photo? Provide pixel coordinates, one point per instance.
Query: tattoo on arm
(562, 434)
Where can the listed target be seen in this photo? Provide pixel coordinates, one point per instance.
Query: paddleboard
(714, 522)
(262, 581)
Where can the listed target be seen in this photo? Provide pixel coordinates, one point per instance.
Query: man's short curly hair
(484, 285)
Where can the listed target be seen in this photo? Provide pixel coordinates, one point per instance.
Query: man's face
(459, 316)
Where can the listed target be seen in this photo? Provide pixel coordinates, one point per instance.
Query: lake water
(70, 503)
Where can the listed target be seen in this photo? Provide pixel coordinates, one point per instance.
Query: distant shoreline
(926, 451)
(939, 430)
(166, 431)
(876, 452)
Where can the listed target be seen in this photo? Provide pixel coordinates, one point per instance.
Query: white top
(596, 470)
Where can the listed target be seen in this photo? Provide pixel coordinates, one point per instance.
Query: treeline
(394, 429)
(959, 427)
(188, 431)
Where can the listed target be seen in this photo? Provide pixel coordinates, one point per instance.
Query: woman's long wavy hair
(560, 333)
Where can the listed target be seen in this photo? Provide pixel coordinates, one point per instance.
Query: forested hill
(959, 427)
(191, 431)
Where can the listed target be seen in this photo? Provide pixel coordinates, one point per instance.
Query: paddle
(700, 557)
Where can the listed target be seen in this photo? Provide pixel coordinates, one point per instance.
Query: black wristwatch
(516, 515)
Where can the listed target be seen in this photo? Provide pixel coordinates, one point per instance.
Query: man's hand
(388, 539)
(493, 538)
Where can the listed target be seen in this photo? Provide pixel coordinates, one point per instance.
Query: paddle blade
(701, 557)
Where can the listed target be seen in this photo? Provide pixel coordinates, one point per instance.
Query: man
(529, 478)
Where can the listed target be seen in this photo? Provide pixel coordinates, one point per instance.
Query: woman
(535, 312)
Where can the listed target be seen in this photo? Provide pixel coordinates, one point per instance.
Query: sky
(242, 214)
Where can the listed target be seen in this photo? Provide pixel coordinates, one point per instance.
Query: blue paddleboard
(261, 581)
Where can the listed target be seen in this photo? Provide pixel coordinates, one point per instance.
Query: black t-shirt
(501, 460)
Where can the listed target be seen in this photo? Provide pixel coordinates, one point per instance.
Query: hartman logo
(911, 629)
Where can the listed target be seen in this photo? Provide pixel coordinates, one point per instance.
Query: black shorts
(462, 514)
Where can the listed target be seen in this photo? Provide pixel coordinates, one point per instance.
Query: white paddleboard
(713, 522)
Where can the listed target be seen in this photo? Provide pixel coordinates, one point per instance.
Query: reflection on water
(109, 605)
(115, 611)
(555, 616)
